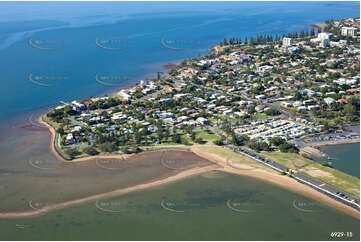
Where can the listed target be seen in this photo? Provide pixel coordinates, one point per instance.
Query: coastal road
(334, 193)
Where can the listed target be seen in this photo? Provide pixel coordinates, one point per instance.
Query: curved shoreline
(273, 178)
(60, 157)
(86, 158)
(122, 191)
(313, 149)
(52, 137)
(281, 181)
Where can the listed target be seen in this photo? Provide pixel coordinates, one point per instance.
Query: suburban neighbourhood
(180, 121)
(273, 99)
(265, 93)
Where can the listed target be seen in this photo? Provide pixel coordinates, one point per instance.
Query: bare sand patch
(262, 174)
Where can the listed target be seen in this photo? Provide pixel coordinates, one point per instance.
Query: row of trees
(267, 38)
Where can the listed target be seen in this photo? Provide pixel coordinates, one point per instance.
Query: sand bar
(118, 192)
(273, 178)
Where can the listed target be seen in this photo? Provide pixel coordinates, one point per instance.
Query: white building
(261, 96)
(144, 82)
(329, 100)
(202, 121)
(348, 31)
(287, 42)
(313, 107)
(322, 36)
(302, 108)
(78, 105)
(264, 68)
(125, 96)
(69, 139)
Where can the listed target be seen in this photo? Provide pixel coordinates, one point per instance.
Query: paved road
(350, 134)
(320, 186)
(244, 96)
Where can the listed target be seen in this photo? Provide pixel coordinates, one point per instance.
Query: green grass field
(205, 135)
(328, 175)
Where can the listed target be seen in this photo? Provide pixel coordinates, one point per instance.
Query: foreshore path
(335, 196)
(338, 195)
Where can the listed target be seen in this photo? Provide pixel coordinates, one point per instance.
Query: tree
(258, 146)
(218, 141)
(60, 130)
(199, 140)
(312, 32)
(72, 152)
(264, 146)
(160, 134)
(90, 151)
(108, 147)
(272, 112)
(69, 110)
(349, 109)
(137, 137)
(125, 150)
(297, 96)
(238, 140)
(288, 148)
(193, 136)
(277, 141)
(302, 34)
(176, 138)
(184, 141)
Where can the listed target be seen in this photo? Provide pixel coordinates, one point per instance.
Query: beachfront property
(349, 31)
(299, 90)
(258, 98)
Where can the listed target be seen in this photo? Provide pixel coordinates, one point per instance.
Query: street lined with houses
(267, 94)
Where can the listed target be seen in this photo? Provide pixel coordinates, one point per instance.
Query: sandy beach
(52, 142)
(273, 178)
(279, 180)
(53, 150)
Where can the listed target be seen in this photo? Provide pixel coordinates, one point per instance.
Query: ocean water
(345, 157)
(54, 43)
(49, 53)
(211, 206)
